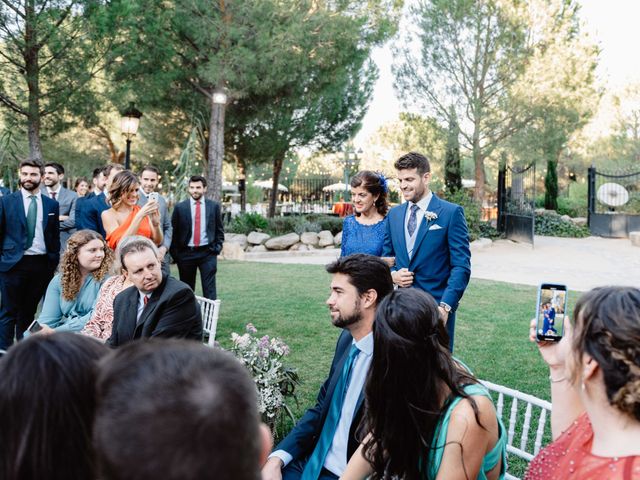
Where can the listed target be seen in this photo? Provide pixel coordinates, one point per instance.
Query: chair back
(527, 424)
(210, 311)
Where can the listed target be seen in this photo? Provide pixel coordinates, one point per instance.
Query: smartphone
(551, 311)
(35, 327)
(153, 196)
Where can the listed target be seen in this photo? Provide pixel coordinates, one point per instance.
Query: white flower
(430, 216)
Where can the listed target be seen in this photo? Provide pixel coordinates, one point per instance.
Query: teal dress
(491, 459)
(69, 315)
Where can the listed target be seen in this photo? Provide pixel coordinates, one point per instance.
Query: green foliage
(574, 207)
(552, 224)
(452, 175)
(551, 186)
(247, 222)
(472, 211)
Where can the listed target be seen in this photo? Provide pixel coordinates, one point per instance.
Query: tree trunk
(215, 151)
(277, 168)
(31, 53)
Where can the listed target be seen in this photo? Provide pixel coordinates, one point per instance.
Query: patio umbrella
(335, 187)
(267, 184)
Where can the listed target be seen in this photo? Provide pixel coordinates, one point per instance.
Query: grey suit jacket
(67, 200)
(165, 219)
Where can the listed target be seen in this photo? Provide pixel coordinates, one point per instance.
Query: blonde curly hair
(70, 277)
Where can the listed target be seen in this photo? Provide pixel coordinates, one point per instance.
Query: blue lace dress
(359, 238)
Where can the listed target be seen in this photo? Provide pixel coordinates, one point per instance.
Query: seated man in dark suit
(156, 305)
(177, 410)
(322, 442)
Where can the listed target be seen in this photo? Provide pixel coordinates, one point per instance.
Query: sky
(613, 24)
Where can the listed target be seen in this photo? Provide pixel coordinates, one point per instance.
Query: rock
(232, 251)
(299, 247)
(565, 218)
(283, 242)
(480, 244)
(580, 221)
(325, 239)
(238, 238)
(337, 240)
(257, 238)
(635, 238)
(258, 248)
(309, 238)
(544, 211)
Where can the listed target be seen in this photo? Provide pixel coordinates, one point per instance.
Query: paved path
(580, 263)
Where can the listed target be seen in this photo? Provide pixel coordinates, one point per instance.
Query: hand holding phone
(35, 327)
(153, 196)
(551, 310)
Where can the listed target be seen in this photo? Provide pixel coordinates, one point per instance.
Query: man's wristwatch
(446, 307)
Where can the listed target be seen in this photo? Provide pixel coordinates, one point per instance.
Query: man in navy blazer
(89, 216)
(358, 285)
(29, 251)
(429, 239)
(198, 235)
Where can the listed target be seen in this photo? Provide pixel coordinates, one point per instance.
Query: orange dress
(113, 238)
(570, 457)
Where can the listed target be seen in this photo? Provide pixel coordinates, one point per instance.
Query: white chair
(526, 414)
(210, 311)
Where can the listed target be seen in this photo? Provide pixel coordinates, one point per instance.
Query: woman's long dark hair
(47, 405)
(411, 381)
(375, 185)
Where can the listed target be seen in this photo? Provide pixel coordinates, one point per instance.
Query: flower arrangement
(274, 381)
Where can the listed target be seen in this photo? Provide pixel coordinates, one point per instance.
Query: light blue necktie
(314, 465)
(413, 221)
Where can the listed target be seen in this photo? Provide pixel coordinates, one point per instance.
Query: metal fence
(614, 202)
(516, 202)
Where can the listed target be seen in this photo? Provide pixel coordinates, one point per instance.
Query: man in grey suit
(149, 178)
(53, 176)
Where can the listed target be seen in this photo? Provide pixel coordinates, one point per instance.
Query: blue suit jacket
(88, 214)
(441, 262)
(13, 230)
(303, 437)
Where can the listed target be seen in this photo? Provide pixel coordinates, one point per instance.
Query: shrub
(572, 206)
(304, 223)
(327, 222)
(472, 211)
(552, 224)
(246, 223)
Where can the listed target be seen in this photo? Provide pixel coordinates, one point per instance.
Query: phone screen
(34, 327)
(551, 311)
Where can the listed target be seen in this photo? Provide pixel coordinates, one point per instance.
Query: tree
(49, 52)
(453, 175)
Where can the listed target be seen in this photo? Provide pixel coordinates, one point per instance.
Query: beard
(29, 185)
(345, 321)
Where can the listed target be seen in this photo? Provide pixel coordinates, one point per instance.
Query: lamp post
(350, 162)
(216, 143)
(129, 126)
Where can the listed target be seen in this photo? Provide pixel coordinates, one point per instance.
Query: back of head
(607, 327)
(174, 409)
(365, 272)
(47, 403)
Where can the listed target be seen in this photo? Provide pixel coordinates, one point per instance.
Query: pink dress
(570, 457)
(99, 326)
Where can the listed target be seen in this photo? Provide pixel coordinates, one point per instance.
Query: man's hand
(62, 218)
(444, 315)
(272, 469)
(403, 277)
(162, 251)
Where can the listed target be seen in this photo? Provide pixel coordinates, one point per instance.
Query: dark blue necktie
(413, 221)
(314, 465)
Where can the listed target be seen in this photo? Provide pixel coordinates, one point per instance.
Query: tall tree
(49, 52)
(453, 174)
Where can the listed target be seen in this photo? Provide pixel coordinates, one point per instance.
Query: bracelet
(561, 379)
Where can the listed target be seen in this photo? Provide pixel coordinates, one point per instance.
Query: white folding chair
(210, 311)
(530, 416)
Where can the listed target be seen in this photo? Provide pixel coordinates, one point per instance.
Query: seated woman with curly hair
(72, 293)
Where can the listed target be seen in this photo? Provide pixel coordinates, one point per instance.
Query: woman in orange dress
(126, 217)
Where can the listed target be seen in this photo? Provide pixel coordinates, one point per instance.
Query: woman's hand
(45, 330)
(552, 353)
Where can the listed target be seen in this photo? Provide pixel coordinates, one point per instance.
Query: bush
(246, 223)
(572, 206)
(552, 224)
(304, 223)
(327, 222)
(472, 212)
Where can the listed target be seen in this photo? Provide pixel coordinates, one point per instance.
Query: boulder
(309, 238)
(238, 238)
(258, 248)
(232, 251)
(337, 240)
(580, 221)
(566, 218)
(635, 238)
(282, 242)
(325, 239)
(299, 247)
(257, 238)
(480, 244)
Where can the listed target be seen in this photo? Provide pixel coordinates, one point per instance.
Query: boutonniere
(430, 216)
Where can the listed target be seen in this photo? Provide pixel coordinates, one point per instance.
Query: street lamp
(219, 101)
(350, 162)
(129, 126)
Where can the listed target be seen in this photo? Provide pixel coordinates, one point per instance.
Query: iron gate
(614, 203)
(516, 202)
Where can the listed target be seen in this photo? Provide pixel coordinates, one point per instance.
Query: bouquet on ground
(274, 380)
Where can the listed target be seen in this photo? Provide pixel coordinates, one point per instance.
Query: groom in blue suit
(429, 239)
(320, 445)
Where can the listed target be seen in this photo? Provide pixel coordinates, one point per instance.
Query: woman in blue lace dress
(364, 232)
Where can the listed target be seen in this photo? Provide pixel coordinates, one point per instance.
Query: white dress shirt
(204, 240)
(38, 246)
(423, 204)
(54, 190)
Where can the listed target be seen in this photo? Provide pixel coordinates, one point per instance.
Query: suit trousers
(203, 259)
(294, 470)
(21, 288)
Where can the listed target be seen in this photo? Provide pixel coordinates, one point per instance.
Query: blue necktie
(413, 221)
(314, 465)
